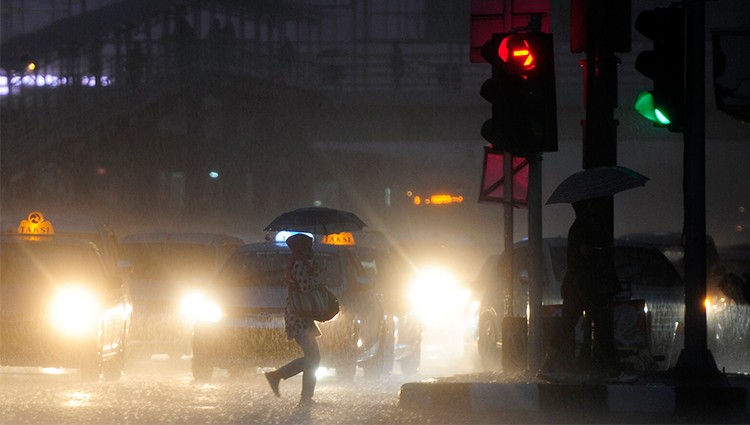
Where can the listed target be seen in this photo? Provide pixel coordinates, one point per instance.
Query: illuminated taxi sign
(35, 225)
(343, 238)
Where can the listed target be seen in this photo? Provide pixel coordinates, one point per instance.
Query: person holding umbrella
(589, 285)
(590, 282)
(303, 330)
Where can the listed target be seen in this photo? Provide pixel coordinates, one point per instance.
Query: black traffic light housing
(522, 93)
(665, 65)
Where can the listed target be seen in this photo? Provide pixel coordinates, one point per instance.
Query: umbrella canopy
(316, 220)
(596, 182)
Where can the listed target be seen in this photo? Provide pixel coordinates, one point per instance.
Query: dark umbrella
(314, 219)
(596, 182)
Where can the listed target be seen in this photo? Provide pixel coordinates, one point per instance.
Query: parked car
(60, 304)
(649, 305)
(240, 320)
(671, 244)
(168, 267)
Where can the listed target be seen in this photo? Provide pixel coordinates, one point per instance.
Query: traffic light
(522, 93)
(665, 65)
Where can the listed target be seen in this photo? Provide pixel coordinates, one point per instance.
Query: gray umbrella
(596, 182)
(318, 220)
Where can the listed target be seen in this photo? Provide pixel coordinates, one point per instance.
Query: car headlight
(74, 310)
(197, 307)
(437, 291)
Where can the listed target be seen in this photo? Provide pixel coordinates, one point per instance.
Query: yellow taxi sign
(343, 238)
(35, 224)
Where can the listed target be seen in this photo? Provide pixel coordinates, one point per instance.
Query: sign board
(489, 17)
(493, 187)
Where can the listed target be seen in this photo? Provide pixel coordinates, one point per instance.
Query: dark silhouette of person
(397, 65)
(95, 61)
(303, 330)
(184, 39)
(230, 38)
(287, 56)
(589, 286)
(135, 62)
(216, 44)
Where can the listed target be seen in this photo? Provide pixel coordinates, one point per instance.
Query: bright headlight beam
(436, 291)
(74, 310)
(197, 307)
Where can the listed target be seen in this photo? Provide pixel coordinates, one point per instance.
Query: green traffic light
(646, 106)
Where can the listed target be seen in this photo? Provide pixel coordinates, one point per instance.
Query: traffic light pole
(536, 260)
(600, 127)
(600, 101)
(695, 361)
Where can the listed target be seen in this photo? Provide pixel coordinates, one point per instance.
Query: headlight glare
(435, 292)
(74, 310)
(197, 307)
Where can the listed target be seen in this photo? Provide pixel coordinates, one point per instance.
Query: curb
(612, 398)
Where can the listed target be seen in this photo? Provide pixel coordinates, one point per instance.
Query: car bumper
(30, 344)
(160, 332)
(225, 345)
(264, 343)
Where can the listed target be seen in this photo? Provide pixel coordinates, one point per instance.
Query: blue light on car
(283, 235)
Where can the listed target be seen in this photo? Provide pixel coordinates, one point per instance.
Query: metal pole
(508, 192)
(695, 360)
(508, 233)
(534, 359)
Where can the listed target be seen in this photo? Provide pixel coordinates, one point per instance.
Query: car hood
(258, 297)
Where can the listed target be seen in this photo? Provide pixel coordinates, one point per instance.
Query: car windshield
(41, 263)
(635, 265)
(645, 267)
(170, 261)
(559, 262)
(268, 268)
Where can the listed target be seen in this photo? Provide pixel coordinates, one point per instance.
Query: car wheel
(382, 362)
(346, 370)
(410, 365)
(236, 371)
(112, 369)
(91, 369)
(487, 345)
(202, 369)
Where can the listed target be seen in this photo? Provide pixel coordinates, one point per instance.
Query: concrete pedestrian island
(658, 396)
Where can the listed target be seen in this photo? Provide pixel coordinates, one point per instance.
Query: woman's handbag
(319, 304)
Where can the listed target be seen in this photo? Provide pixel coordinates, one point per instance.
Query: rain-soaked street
(162, 391)
(159, 390)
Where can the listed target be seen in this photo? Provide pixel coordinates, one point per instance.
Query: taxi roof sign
(36, 225)
(343, 238)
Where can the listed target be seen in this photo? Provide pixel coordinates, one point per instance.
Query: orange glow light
(35, 224)
(343, 238)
